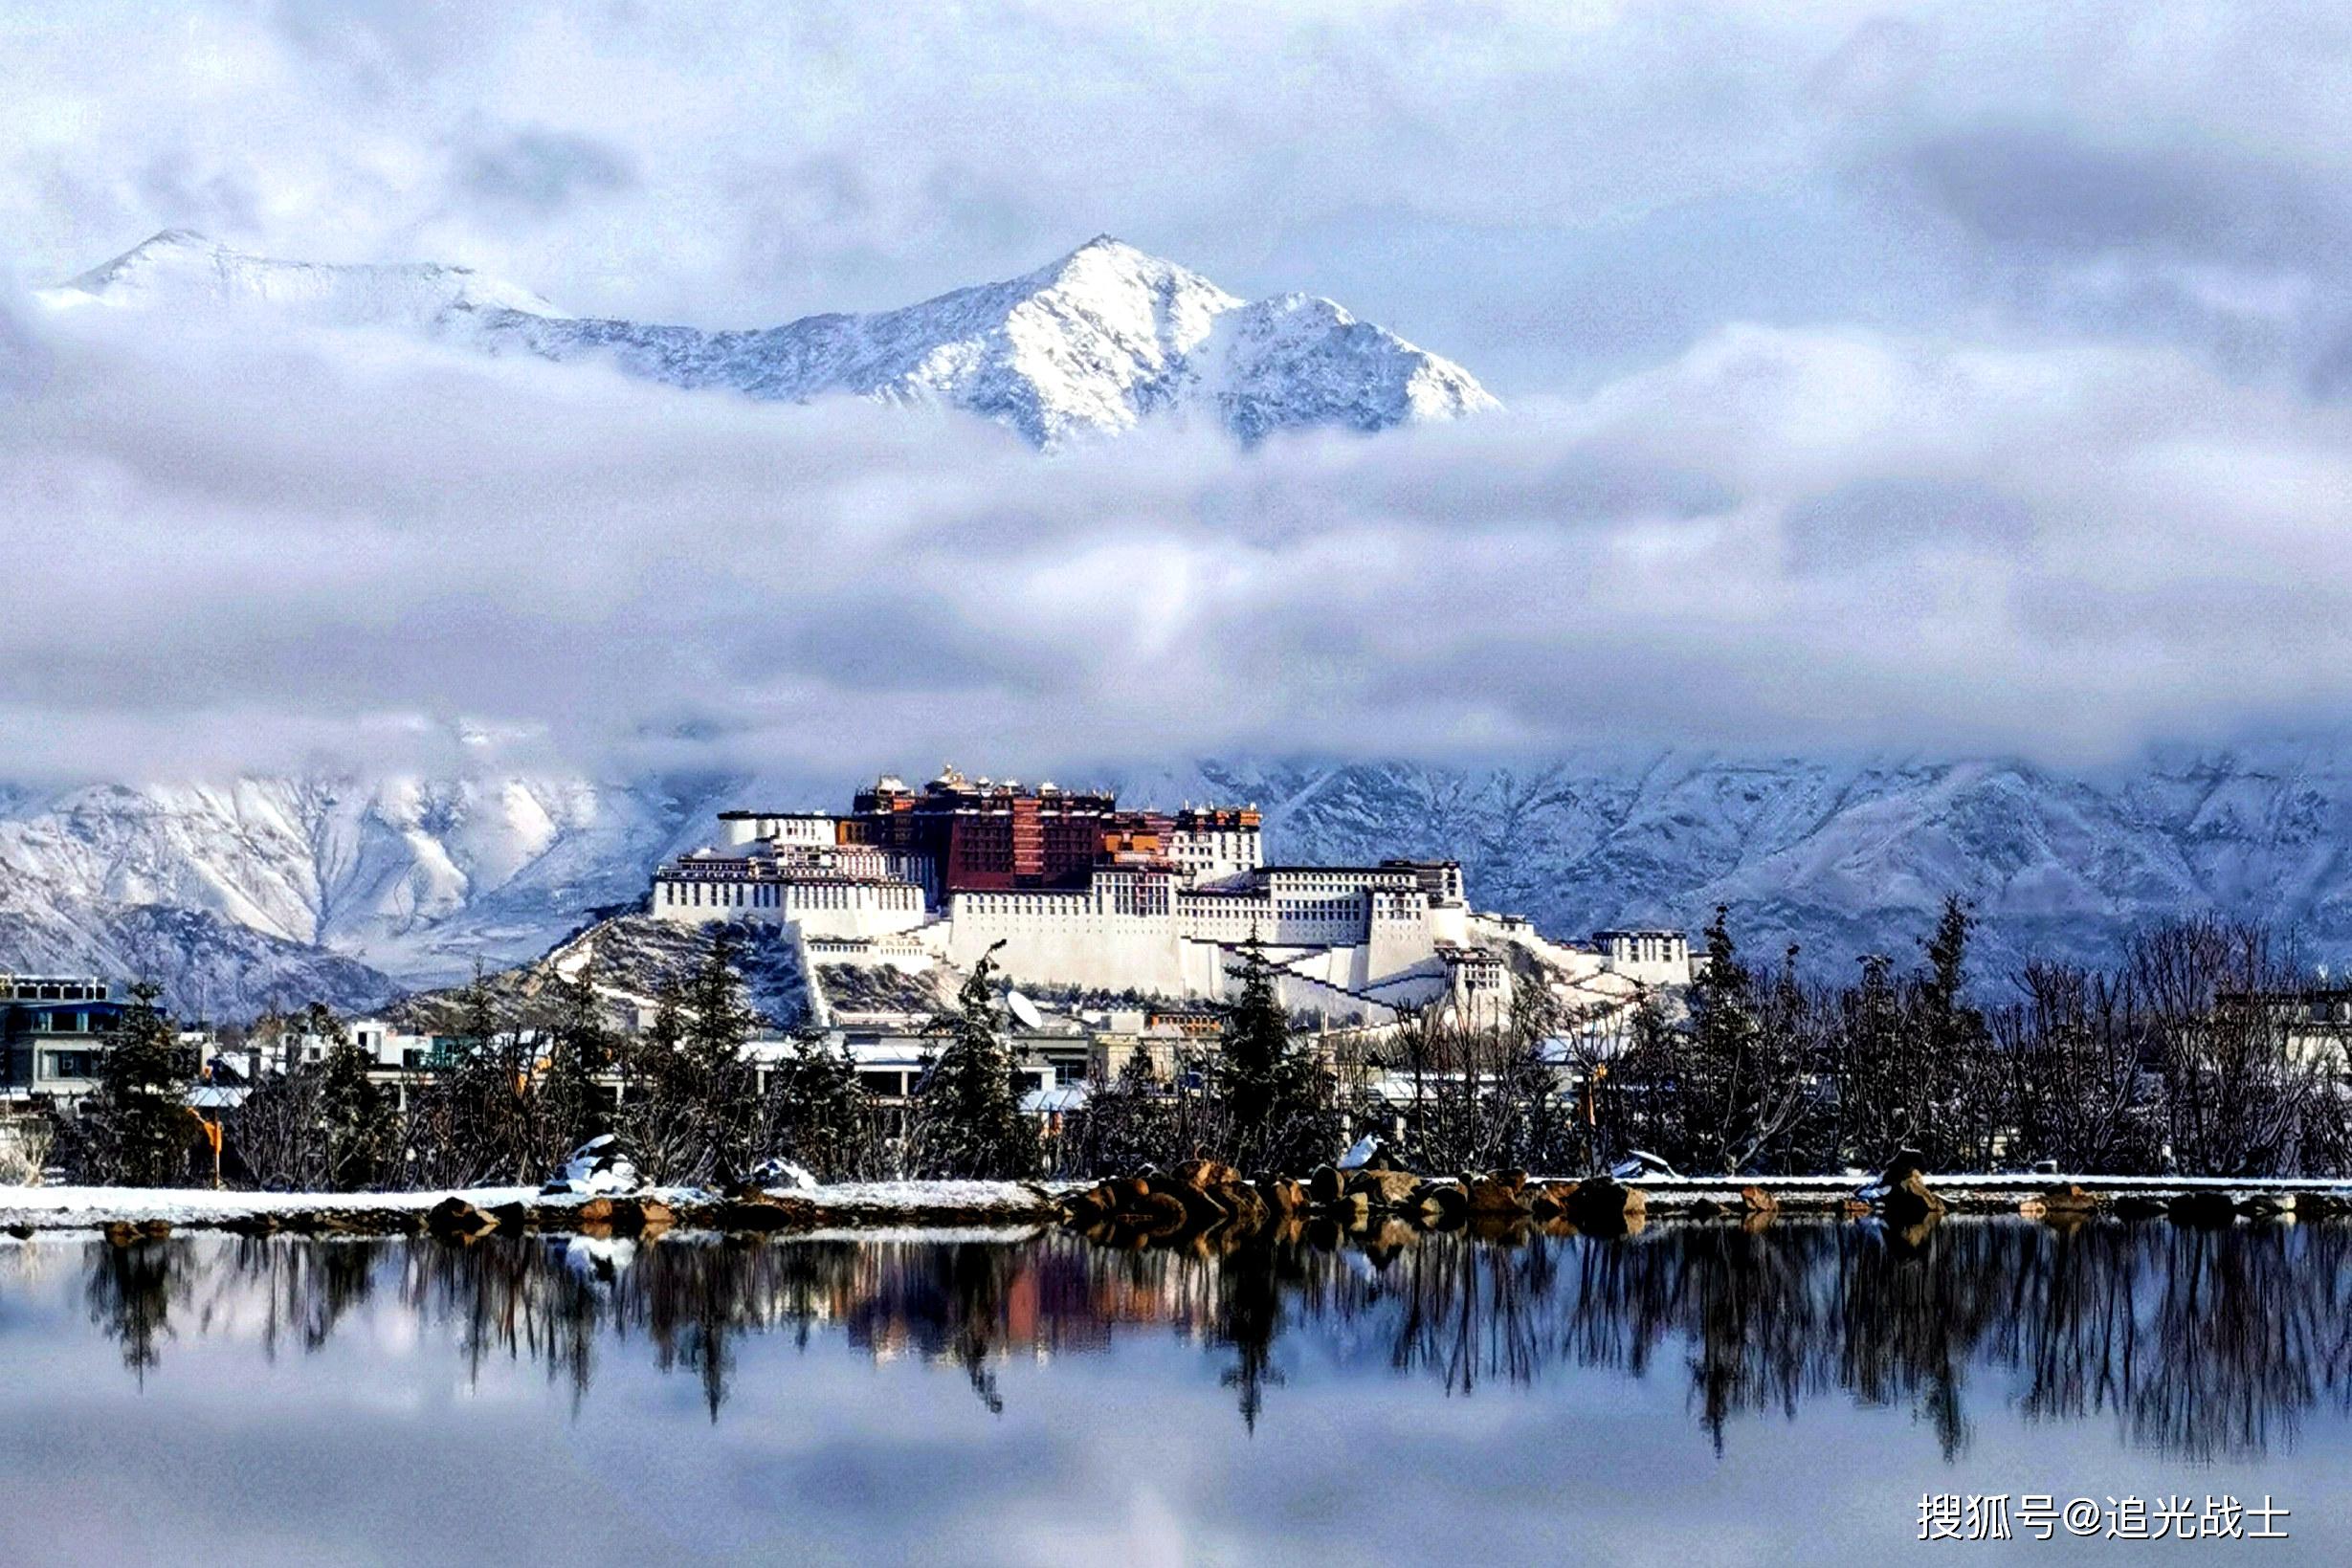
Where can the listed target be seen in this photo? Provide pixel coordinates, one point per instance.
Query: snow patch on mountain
(1297, 360)
(179, 270)
(1094, 344)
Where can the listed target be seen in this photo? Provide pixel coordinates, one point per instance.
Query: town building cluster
(1069, 890)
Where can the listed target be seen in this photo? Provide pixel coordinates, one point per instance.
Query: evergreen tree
(1740, 1083)
(1256, 1042)
(718, 1083)
(967, 1122)
(816, 1114)
(1950, 1021)
(690, 1102)
(1876, 1067)
(135, 1128)
(1631, 1101)
(664, 1035)
(1280, 1102)
(573, 1107)
(1310, 1130)
(353, 1131)
(1960, 1087)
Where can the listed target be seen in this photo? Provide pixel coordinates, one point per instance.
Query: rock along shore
(1203, 1200)
(1201, 1195)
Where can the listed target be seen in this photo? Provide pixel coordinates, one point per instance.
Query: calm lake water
(1691, 1395)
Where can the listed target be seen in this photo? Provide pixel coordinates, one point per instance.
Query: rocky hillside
(630, 959)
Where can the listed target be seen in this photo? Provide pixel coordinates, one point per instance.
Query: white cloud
(1783, 536)
(1920, 373)
(1548, 191)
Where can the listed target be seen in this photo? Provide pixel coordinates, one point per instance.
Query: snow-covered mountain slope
(1094, 344)
(1849, 857)
(207, 966)
(418, 878)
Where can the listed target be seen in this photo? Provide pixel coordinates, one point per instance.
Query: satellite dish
(1024, 1010)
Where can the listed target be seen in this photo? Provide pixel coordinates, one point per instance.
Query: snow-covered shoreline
(854, 1204)
(864, 1205)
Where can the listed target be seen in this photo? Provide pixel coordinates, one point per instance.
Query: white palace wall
(1335, 950)
(1343, 938)
(818, 908)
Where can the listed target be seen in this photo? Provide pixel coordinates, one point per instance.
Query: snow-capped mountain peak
(1095, 342)
(1107, 265)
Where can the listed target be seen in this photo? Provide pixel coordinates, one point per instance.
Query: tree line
(2188, 1055)
(2175, 1059)
(504, 1105)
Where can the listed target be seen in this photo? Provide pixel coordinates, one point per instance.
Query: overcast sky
(1944, 377)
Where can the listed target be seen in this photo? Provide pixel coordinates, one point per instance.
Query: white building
(1165, 908)
(1653, 958)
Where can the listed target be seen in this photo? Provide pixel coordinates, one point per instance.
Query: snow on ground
(597, 1169)
(69, 1207)
(912, 1197)
(784, 1175)
(47, 1207)
(873, 1234)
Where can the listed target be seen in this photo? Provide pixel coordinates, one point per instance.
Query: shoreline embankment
(851, 1206)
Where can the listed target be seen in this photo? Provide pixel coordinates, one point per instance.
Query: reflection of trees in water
(307, 1290)
(520, 1302)
(2255, 1343)
(2196, 1343)
(1247, 1317)
(131, 1290)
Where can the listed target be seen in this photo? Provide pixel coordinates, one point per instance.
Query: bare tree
(2234, 1094)
(2075, 1089)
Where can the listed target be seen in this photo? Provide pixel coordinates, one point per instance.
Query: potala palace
(1072, 891)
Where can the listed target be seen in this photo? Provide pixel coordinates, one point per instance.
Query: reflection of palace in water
(2197, 1344)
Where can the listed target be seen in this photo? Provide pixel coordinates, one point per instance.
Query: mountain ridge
(1092, 343)
(414, 880)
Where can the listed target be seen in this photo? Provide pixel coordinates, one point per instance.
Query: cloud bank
(1949, 376)
(1550, 193)
(237, 551)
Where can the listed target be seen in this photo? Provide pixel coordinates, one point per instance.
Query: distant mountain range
(345, 888)
(1094, 344)
(350, 888)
